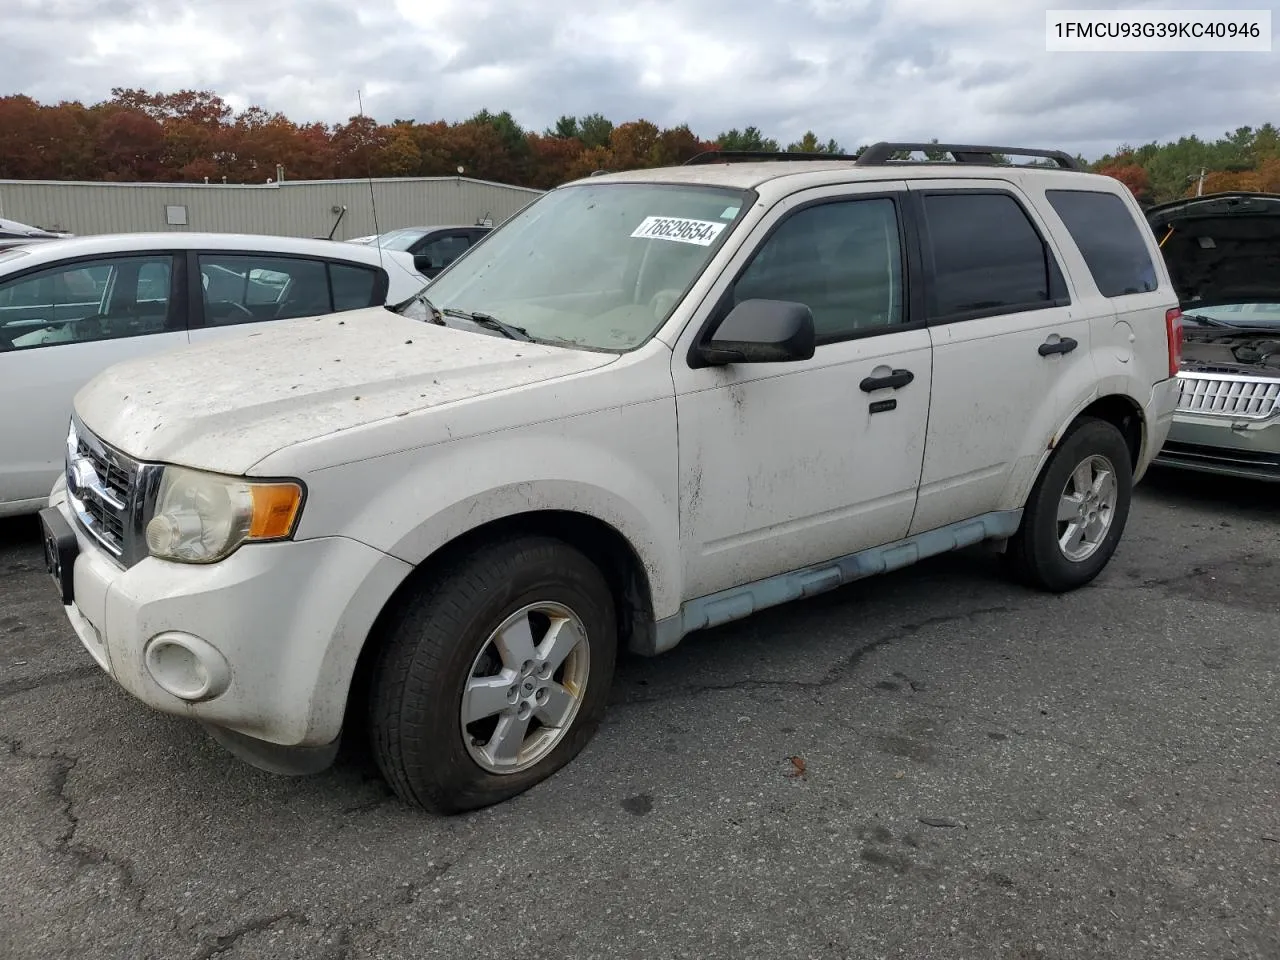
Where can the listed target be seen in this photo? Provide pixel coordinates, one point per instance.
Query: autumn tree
(1131, 174)
(191, 135)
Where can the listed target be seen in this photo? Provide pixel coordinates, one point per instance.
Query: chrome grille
(1224, 395)
(102, 487)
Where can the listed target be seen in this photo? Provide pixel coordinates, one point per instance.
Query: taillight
(1173, 330)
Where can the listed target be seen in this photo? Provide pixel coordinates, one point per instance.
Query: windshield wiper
(489, 322)
(1226, 327)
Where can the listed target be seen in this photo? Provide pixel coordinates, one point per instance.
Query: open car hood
(1221, 248)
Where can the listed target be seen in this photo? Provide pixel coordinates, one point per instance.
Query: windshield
(596, 265)
(1238, 315)
(399, 239)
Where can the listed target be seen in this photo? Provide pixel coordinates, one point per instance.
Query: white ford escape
(649, 403)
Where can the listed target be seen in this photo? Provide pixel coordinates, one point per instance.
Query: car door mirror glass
(762, 331)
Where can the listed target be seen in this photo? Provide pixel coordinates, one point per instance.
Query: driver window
(445, 249)
(249, 288)
(842, 259)
(88, 300)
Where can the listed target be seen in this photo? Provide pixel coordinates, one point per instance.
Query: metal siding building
(302, 208)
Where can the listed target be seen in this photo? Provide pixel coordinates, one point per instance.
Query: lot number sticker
(701, 232)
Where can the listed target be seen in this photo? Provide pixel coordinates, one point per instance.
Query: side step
(738, 602)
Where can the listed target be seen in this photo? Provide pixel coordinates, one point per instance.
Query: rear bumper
(1159, 416)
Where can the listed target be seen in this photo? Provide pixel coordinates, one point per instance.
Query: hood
(226, 404)
(1221, 248)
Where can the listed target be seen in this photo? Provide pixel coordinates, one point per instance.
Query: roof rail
(759, 156)
(882, 152)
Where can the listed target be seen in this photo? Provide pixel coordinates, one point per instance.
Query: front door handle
(899, 378)
(1065, 345)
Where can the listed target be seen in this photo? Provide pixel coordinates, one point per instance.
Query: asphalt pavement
(935, 763)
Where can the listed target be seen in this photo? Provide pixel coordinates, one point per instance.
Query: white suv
(648, 403)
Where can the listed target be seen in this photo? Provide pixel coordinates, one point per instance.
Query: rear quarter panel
(1127, 338)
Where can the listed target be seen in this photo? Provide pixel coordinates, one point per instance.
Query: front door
(787, 464)
(60, 327)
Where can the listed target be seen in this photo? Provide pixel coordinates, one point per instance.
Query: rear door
(1009, 351)
(62, 325)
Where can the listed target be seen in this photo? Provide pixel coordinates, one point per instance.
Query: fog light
(187, 666)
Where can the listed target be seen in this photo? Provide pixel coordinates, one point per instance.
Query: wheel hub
(1086, 507)
(512, 718)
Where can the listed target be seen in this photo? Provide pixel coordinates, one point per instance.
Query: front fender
(623, 474)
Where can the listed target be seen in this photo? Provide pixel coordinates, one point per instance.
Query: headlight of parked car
(204, 517)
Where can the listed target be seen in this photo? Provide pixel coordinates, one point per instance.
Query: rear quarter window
(1110, 241)
(353, 287)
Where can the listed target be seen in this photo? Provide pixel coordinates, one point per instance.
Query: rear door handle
(1065, 345)
(899, 378)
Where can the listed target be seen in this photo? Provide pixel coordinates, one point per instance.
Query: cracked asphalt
(936, 763)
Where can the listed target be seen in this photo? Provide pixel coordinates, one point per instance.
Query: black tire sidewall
(1041, 553)
(446, 636)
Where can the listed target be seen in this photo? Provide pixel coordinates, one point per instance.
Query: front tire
(493, 675)
(1077, 510)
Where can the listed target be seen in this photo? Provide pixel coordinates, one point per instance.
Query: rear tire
(519, 638)
(1077, 510)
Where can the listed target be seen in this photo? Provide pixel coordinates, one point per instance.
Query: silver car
(1223, 252)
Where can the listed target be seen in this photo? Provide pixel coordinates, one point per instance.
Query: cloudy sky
(856, 70)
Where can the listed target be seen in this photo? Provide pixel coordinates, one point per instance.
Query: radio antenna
(373, 201)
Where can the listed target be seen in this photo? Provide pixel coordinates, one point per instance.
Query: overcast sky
(856, 70)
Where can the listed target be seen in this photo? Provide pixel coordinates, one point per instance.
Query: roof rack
(758, 156)
(882, 153)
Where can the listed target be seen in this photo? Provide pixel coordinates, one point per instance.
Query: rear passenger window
(245, 288)
(352, 286)
(988, 257)
(1110, 242)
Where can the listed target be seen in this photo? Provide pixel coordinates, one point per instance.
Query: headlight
(203, 517)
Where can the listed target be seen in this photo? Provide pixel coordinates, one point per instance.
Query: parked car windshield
(594, 265)
(399, 239)
(1238, 315)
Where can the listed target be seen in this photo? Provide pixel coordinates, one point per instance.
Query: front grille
(1241, 398)
(102, 485)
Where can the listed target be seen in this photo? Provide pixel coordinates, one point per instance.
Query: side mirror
(761, 331)
(422, 263)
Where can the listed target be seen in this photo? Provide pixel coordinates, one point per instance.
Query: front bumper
(263, 643)
(1221, 445)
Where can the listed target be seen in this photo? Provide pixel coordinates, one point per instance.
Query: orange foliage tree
(194, 135)
(1131, 174)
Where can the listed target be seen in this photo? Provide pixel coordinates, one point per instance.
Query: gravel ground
(988, 772)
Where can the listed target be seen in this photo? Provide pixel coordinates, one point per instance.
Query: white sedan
(70, 308)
